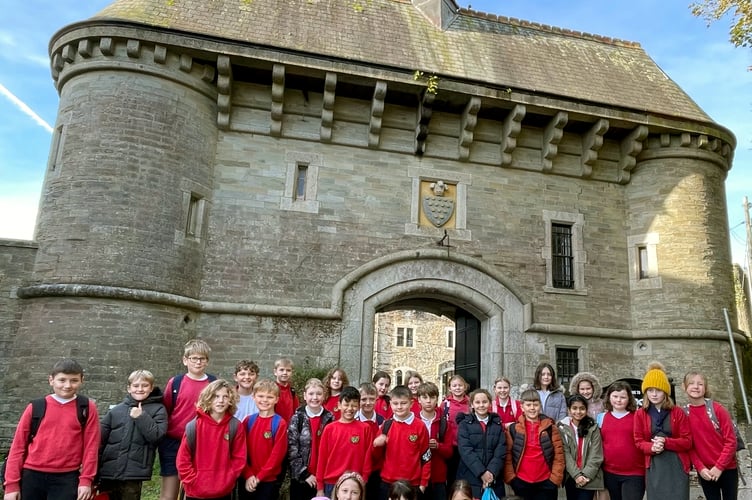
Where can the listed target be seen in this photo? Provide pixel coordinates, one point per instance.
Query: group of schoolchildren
(223, 440)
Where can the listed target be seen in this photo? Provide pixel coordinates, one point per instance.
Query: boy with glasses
(180, 398)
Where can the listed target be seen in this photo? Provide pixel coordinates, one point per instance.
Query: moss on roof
(475, 46)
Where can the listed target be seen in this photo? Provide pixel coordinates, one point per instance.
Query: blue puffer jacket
(481, 451)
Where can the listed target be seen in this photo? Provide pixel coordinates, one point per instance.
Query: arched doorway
(435, 276)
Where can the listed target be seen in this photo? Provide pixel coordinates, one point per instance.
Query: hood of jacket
(154, 397)
(597, 389)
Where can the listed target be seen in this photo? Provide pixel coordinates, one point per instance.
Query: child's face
(695, 387)
(140, 389)
(245, 379)
(531, 409)
(349, 490)
(428, 403)
(367, 403)
(283, 374)
(457, 388)
(577, 412)
(480, 404)
(619, 400)
(401, 407)
(335, 383)
(196, 363)
(220, 402)
(656, 396)
(66, 385)
(413, 384)
(265, 401)
(382, 385)
(348, 409)
(313, 397)
(545, 377)
(501, 389)
(585, 389)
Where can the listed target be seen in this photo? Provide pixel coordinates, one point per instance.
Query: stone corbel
(630, 147)
(467, 127)
(509, 132)
(224, 91)
(377, 112)
(425, 110)
(278, 99)
(592, 142)
(551, 138)
(327, 107)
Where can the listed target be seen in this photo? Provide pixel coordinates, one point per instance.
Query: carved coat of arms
(437, 208)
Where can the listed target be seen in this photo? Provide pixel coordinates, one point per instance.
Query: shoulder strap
(379, 419)
(275, 425)
(711, 413)
(251, 420)
(386, 426)
(599, 419)
(210, 377)
(190, 435)
(443, 425)
(686, 409)
(82, 407)
(176, 381)
(234, 422)
(38, 407)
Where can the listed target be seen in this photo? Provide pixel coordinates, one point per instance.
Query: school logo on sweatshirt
(227, 436)
(355, 439)
(268, 435)
(413, 437)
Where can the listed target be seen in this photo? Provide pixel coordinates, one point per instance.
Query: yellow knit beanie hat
(656, 377)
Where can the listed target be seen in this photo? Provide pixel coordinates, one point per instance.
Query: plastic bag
(489, 494)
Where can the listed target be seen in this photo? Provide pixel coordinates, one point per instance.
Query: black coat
(481, 451)
(129, 444)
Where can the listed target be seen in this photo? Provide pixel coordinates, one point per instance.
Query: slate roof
(475, 46)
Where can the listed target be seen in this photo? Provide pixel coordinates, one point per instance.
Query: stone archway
(435, 274)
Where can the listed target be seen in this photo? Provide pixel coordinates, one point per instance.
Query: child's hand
(379, 441)
(136, 411)
(251, 483)
(311, 481)
(581, 480)
(85, 493)
(433, 444)
(16, 495)
(487, 479)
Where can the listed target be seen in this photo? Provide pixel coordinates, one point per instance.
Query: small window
(404, 337)
(562, 256)
(56, 150)
(644, 262)
(567, 364)
(195, 216)
(450, 338)
(398, 377)
(301, 178)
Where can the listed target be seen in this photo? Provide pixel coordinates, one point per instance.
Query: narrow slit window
(56, 150)
(192, 226)
(301, 180)
(643, 262)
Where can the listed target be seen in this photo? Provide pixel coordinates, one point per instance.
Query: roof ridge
(522, 23)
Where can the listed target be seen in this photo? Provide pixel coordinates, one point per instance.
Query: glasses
(198, 359)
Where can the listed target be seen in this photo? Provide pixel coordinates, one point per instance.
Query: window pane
(301, 176)
(409, 337)
(567, 365)
(400, 337)
(562, 257)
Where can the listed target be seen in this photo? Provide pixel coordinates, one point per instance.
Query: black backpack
(38, 408)
(178, 379)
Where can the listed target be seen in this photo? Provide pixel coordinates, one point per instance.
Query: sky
(697, 57)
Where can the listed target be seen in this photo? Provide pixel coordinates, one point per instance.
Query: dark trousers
(373, 486)
(121, 490)
(436, 491)
(624, 487)
(37, 485)
(301, 489)
(264, 491)
(453, 464)
(724, 489)
(544, 490)
(575, 493)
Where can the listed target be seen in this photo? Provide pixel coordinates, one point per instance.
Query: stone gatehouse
(270, 175)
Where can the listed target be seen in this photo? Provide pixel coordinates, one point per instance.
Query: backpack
(190, 433)
(38, 408)
(178, 379)
(717, 426)
(252, 420)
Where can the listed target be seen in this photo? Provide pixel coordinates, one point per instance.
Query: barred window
(567, 364)
(562, 256)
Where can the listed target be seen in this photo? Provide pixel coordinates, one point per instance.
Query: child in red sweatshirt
(287, 401)
(51, 461)
(345, 444)
(440, 439)
(266, 439)
(212, 455)
(407, 455)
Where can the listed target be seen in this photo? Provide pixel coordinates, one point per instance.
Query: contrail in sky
(24, 108)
